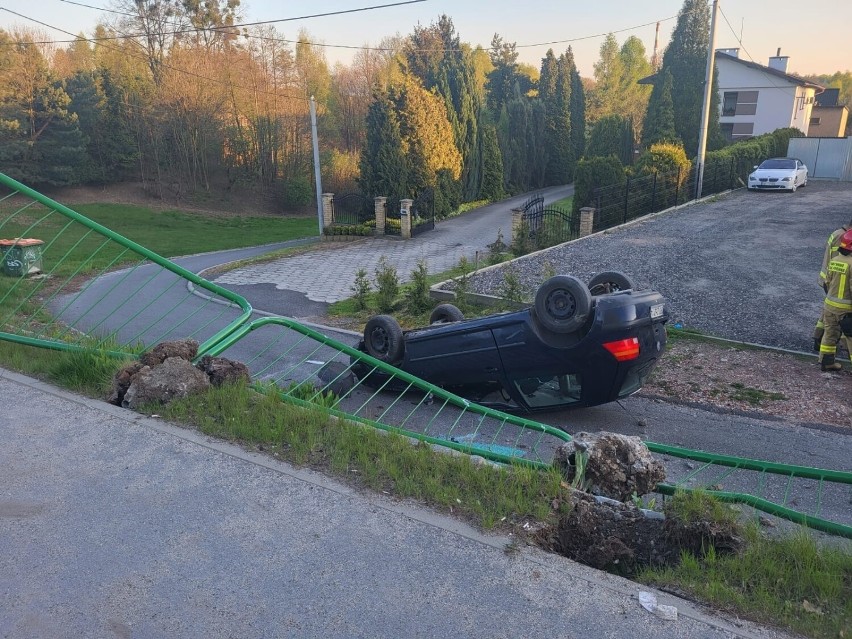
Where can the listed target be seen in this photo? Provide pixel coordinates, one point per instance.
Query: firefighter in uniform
(830, 251)
(837, 309)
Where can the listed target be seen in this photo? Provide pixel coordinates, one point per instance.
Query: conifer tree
(660, 119)
(686, 59)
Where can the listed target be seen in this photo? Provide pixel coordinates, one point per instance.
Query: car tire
(610, 282)
(445, 313)
(383, 339)
(793, 188)
(562, 304)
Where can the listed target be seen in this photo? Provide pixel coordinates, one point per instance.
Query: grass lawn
(171, 233)
(565, 203)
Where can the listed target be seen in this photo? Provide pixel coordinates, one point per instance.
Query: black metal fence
(544, 226)
(640, 196)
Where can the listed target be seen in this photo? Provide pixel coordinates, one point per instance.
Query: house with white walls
(755, 99)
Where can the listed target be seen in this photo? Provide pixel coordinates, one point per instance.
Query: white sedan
(779, 173)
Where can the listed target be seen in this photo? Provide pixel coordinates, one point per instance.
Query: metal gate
(351, 209)
(548, 226)
(828, 158)
(423, 213)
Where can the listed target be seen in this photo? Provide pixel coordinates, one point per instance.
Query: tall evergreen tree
(492, 163)
(555, 96)
(606, 97)
(659, 124)
(611, 135)
(577, 108)
(500, 86)
(383, 165)
(435, 54)
(686, 59)
(634, 96)
(111, 149)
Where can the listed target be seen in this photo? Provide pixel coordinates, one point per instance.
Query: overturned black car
(577, 345)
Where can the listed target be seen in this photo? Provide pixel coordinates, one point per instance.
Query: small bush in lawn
(522, 242)
(387, 286)
(361, 290)
(417, 298)
(511, 289)
(497, 248)
(462, 287)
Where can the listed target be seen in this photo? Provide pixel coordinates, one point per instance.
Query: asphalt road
(114, 525)
(722, 243)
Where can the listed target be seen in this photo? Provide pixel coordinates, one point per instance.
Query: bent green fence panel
(99, 290)
(93, 288)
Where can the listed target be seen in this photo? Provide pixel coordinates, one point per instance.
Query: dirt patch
(752, 381)
(622, 538)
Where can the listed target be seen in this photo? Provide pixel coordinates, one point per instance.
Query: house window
(738, 131)
(739, 103)
(815, 121)
(729, 103)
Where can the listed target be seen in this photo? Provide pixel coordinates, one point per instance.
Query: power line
(164, 65)
(323, 44)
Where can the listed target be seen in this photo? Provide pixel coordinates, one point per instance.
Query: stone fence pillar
(517, 221)
(380, 203)
(405, 218)
(327, 209)
(587, 220)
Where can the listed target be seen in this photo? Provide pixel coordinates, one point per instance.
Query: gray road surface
(114, 525)
(294, 286)
(742, 266)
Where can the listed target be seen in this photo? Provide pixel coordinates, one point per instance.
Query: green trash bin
(21, 256)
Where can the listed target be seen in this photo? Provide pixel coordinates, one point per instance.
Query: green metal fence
(98, 290)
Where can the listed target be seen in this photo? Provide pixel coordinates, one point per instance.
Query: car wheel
(383, 339)
(562, 304)
(444, 313)
(793, 188)
(610, 282)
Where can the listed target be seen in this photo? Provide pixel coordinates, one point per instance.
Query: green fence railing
(87, 287)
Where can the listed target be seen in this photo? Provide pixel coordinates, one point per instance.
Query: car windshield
(778, 164)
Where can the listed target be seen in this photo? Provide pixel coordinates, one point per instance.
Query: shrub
(387, 286)
(672, 167)
(417, 297)
(361, 290)
(497, 248)
(592, 173)
(297, 192)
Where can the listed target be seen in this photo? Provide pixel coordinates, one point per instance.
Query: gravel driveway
(743, 266)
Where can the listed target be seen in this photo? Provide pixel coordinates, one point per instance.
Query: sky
(813, 43)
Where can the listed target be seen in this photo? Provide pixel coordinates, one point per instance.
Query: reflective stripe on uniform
(836, 303)
(827, 349)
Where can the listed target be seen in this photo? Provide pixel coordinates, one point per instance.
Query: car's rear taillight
(624, 349)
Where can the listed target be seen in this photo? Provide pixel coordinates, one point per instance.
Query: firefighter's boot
(828, 364)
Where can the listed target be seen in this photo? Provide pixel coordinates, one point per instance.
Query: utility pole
(655, 58)
(317, 175)
(705, 111)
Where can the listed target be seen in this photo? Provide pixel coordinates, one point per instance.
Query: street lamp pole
(317, 175)
(705, 111)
